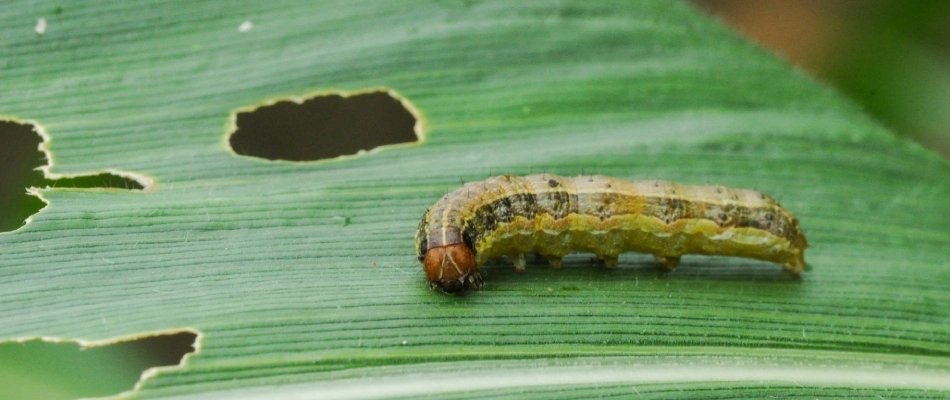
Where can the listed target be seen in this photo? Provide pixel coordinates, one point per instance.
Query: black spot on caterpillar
(553, 215)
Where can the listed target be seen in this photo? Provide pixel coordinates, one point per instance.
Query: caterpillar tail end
(451, 269)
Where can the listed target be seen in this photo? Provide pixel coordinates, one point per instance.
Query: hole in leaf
(325, 126)
(104, 180)
(42, 370)
(21, 161)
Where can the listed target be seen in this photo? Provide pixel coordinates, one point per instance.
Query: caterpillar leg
(610, 262)
(668, 263)
(520, 262)
(795, 268)
(555, 262)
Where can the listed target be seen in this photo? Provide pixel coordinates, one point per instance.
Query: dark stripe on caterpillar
(553, 215)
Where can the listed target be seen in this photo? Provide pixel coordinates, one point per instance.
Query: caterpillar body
(553, 215)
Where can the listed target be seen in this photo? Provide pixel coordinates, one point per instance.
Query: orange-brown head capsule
(451, 269)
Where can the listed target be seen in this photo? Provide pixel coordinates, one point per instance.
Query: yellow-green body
(553, 215)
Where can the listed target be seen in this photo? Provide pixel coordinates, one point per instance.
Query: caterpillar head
(451, 269)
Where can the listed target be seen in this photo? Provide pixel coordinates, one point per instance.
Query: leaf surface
(293, 300)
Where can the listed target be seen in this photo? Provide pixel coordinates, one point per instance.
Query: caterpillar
(553, 215)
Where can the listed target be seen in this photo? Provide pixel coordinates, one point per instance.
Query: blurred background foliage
(891, 56)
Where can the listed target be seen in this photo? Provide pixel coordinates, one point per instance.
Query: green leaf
(292, 302)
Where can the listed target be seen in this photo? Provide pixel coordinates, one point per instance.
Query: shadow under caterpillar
(554, 215)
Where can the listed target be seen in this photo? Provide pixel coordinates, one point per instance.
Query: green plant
(301, 277)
